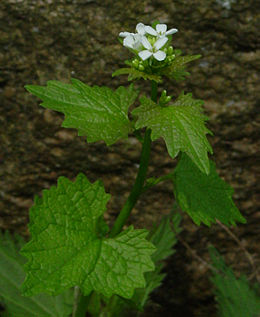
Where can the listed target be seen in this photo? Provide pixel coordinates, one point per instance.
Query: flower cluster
(148, 42)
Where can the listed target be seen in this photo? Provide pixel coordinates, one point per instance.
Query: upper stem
(137, 188)
(140, 178)
(154, 91)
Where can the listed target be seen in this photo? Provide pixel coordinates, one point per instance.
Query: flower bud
(135, 62)
(164, 93)
(168, 99)
(141, 67)
(170, 50)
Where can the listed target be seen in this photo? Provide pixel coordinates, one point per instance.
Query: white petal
(140, 28)
(150, 30)
(138, 37)
(137, 41)
(171, 31)
(146, 43)
(124, 34)
(160, 43)
(145, 54)
(129, 41)
(161, 28)
(160, 55)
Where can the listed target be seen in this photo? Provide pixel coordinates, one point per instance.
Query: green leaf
(204, 197)
(66, 250)
(11, 277)
(177, 69)
(234, 295)
(181, 124)
(153, 280)
(94, 305)
(137, 74)
(163, 238)
(96, 112)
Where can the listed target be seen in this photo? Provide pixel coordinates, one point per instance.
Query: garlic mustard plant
(113, 269)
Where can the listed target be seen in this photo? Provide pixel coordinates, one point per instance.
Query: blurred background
(47, 39)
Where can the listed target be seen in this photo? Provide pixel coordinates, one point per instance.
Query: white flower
(140, 29)
(153, 50)
(125, 34)
(133, 41)
(161, 30)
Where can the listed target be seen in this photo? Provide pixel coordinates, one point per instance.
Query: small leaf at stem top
(136, 74)
(176, 70)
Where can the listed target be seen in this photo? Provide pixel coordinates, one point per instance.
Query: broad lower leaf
(66, 248)
(181, 124)
(204, 197)
(164, 239)
(11, 276)
(177, 69)
(235, 296)
(136, 74)
(96, 112)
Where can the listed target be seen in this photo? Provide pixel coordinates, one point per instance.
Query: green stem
(154, 91)
(140, 178)
(137, 188)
